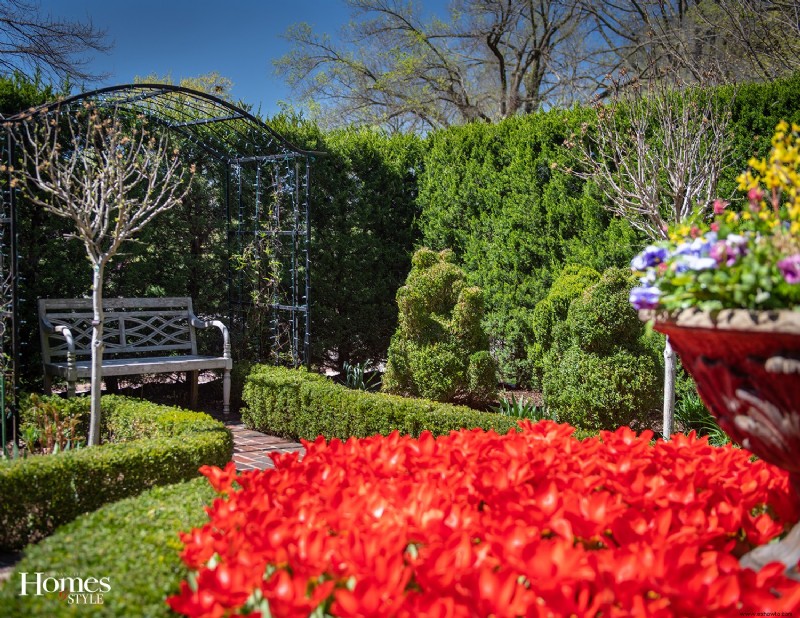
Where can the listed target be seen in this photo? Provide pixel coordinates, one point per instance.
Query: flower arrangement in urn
(748, 259)
(727, 294)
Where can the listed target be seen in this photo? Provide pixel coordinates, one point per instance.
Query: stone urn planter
(747, 368)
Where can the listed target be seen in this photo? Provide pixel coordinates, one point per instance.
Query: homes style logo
(72, 589)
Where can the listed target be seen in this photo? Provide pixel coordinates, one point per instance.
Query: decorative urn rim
(784, 321)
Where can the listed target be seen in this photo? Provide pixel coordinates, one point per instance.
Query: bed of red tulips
(534, 523)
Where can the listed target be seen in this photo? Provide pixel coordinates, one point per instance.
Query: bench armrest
(226, 338)
(64, 331)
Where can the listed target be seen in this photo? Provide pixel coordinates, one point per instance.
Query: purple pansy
(790, 268)
(693, 262)
(645, 297)
(651, 256)
(699, 247)
(729, 250)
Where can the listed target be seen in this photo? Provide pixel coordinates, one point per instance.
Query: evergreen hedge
(498, 194)
(297, 404)
(133, 542)
(158, 445)
(501, 196)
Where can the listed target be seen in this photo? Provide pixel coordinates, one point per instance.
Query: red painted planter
(747, 368)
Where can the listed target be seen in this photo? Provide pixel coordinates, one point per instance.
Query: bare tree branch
(31, 42)
(695, 41)
(491, 60)
(659, 156)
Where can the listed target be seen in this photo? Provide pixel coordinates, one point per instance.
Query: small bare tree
(110, 176)
(657, 156)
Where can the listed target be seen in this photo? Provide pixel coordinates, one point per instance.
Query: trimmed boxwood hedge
(157, 445)
(134, 542)
(297, 404)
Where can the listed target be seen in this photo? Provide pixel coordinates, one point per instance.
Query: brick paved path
(251, 449)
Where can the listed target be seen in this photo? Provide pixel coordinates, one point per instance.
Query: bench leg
(112, 384)
(48, 384)
(226, 392)
(191, 378)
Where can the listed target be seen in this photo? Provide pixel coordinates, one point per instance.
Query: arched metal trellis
(266, 197)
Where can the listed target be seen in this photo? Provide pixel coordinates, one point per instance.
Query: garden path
(251, 449)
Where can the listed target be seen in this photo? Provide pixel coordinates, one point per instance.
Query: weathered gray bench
(141, 336)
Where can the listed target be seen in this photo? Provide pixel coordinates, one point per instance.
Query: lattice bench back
(131, 326)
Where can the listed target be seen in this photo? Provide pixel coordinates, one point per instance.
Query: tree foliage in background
(701, 42)
(18, 92)
(399, 68)
(32, 43)
(440, 350)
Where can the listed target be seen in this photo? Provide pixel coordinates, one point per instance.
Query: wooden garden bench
(141, 335)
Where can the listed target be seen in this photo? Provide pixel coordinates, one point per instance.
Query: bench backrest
(130, 326)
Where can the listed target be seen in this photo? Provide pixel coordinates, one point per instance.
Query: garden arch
(266, 199)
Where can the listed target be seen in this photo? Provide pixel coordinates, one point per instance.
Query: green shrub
(440, 335)
(134, 542)
(482, 376)
(596, 392)
(552, 310)
(297, 404)
(156, 445)
(550, 314)
(602, 317)
(51, 424)
(600, 370)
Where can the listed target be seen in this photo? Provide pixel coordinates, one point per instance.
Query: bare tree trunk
(97, 353)
(669, 389)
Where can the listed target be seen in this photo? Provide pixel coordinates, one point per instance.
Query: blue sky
(185, 38)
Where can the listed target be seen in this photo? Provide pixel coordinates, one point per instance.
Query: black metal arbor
(266, 197)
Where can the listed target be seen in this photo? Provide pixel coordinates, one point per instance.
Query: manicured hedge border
(297, 404)
(40, 493)
(134, 542)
